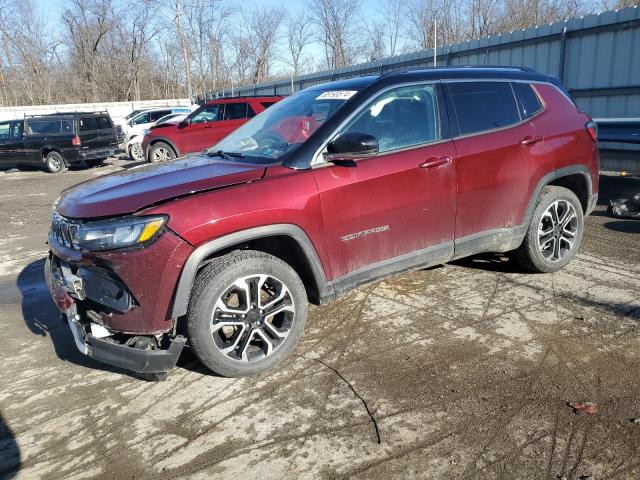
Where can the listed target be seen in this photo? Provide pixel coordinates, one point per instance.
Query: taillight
(75, 141)
(592, 128)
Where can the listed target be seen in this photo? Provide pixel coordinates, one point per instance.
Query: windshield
(284, 126)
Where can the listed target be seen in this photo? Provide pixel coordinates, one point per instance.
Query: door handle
(435, 162)
(206, 125)
(530, 140)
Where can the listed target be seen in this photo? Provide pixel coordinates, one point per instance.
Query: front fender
(190, 269)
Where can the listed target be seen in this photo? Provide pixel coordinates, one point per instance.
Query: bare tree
(299, 29)
(337, 27)
(87, 23)
(393, 12)
(261, 30)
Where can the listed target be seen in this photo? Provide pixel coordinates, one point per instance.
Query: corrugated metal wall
(597, 57)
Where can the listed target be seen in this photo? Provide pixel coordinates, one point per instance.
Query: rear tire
(161, 152)
(135, 153)
(246, 314)
(55, 163)
(554, 233)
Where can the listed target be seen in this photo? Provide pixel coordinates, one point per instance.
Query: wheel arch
(155, 140)
(47, 149)
(576, 178)
(286, 241)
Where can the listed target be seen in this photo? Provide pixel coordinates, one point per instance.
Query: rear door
(399, 203)
(497, 150)
(234, 115)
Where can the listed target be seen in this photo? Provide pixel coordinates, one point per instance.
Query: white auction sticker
(337, 95)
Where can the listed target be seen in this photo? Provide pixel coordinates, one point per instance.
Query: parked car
(205, 126)
(137, 124)
(58, 140)
(133, 147)
(337, 185)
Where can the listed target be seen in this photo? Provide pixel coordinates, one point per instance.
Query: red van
(202, 128)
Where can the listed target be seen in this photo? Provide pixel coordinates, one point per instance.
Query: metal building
(597, 57)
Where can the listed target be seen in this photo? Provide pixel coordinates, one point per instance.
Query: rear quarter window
(88, 123)
(482, 106)
(104, 123)
(528, 100)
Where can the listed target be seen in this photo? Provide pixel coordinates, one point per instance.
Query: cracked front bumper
(98, 341)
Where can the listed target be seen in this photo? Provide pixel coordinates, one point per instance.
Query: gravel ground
(461, 371)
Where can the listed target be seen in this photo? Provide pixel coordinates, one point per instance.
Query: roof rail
(64, 114)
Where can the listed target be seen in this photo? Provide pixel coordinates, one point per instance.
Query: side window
(528, 101)
(250, 111)
(141, 119)
(16, 130)
(235, 111)
(481, 106)
(153, 116)
(5, 131)
(88, 123)
(43, 127)
(208, 113)
(400, 118)
(66, 127)
(267, 104)
(104, 123)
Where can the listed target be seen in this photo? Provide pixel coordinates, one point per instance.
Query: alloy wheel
(557, 230)
(161, 155)
(252, 318)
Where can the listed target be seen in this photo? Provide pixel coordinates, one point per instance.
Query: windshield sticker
(337, 95)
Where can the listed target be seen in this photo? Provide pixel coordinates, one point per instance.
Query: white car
(133, 146)
(143, 120)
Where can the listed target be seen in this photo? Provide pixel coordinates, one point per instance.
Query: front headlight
(119, 233)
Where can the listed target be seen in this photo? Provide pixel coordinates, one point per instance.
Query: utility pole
(435, 41)
(183, 47)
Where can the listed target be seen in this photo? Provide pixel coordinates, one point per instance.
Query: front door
(197, 135)
(398, 208)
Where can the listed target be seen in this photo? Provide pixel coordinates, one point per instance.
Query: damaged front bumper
(141, 354)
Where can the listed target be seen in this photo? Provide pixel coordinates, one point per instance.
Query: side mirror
(351, 146)
(184, 123)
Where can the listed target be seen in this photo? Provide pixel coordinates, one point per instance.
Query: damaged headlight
(119, 233)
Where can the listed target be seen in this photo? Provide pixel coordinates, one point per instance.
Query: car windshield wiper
(226, 155)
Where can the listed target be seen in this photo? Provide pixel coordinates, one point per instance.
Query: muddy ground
(461, 371)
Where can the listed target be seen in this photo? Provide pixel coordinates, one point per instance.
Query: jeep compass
(337, 185)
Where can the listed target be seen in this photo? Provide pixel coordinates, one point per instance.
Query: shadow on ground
(9, 452)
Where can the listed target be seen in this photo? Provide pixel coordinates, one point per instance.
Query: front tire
(161, 152)
(246, 314)
(54, 163)
(555, 231)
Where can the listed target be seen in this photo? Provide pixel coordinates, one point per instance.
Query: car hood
(133, 189)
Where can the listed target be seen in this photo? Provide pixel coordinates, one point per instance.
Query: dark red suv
(332, 187)
(202, 128)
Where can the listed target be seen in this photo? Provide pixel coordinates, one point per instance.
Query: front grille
(63, 230)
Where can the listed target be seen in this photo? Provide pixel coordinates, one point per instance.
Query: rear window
(88, 123)
(528, 101)
(481, 106)
(49, 127)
